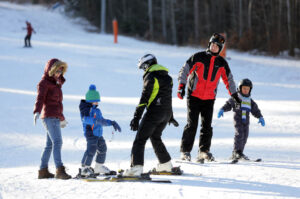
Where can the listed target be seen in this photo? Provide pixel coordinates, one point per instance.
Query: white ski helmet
(146, 61)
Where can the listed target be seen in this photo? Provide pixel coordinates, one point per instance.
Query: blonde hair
(57, 65)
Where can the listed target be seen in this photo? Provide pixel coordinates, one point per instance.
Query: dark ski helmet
(245, 82)
(218, 39)
(146, 61)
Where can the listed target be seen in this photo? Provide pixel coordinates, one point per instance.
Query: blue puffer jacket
(92, 119)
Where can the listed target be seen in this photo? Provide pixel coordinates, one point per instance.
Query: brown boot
(61, 173)
(44, 173)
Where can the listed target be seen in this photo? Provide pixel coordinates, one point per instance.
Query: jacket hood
(84, 108)
(53, 65)
(157, 68)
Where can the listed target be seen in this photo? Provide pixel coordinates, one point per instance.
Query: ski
(198, 162)
(120, 178)
(235, 161)
(232, 161)
(93, 175)
(242, 160)
(175, 171)
(188, 162)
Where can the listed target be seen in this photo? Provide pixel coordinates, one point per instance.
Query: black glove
(134, 124)
(173, 121)
(237, 100)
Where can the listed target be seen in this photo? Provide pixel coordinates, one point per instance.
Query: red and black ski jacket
(203, 72)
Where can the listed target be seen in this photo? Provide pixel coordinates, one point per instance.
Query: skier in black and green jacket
(157, 98)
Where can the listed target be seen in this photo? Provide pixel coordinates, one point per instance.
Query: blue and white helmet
(146, 61)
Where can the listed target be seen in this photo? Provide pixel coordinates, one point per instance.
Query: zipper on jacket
(211, 67)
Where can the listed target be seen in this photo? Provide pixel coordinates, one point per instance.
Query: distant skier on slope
(157, 98)
(28, 35)
(241, 117)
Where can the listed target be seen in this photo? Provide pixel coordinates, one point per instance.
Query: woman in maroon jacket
(49, 107)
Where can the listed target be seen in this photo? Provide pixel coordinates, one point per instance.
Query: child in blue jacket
(93, 122)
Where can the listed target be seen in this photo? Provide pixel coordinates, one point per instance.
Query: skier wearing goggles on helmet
(202, 73)
(157, 98)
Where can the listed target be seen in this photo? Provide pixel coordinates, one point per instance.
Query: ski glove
(220, 114)
(134, 124)
(63, 123)
(181, 91)
(35, 117)
(116, 126)
(261, 121)
(237, 100)
(173, 121)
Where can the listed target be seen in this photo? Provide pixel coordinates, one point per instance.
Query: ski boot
(101, 169)
(166, 169)
(239, 155)
(136, 171)
(205, 155)
(86, 172)
(185, 156)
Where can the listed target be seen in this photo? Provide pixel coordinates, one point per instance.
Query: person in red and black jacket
(28, 36)
(202, 72)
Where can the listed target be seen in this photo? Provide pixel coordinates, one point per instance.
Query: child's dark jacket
(230, 105)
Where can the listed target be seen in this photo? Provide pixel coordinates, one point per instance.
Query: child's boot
(86, 171)
(101, 169)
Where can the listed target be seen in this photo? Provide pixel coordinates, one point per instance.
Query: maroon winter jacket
(29, 28)
(49, 93)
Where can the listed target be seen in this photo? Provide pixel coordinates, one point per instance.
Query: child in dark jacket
(241, 117)
(93, 121)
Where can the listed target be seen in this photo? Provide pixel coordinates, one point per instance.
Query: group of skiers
(201, 73)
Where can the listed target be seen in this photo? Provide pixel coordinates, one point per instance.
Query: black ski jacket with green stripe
(157, 90)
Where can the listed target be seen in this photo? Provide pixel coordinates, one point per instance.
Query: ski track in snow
(93, 58)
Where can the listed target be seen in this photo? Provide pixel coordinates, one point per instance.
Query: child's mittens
(220, 114)
(63, 123)
(116, 126)
(261, 121)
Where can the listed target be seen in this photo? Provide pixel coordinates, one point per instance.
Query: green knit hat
(92, 95)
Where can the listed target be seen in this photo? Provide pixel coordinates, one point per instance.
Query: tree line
(270, 26)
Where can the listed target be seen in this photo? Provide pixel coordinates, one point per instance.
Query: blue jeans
(54, 141)
(94, 144)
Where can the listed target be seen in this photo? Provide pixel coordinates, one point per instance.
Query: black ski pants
(27, 41)
(196, 107)
(152, 125)
(241, 136)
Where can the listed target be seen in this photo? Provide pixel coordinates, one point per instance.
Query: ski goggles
(217, 38)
